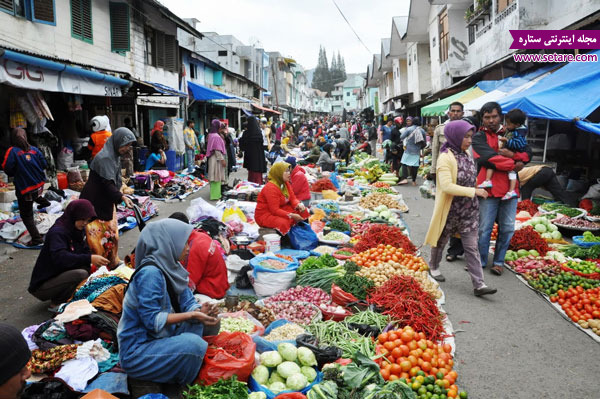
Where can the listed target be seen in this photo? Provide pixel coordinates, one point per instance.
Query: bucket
(62, 180)
(272, 242)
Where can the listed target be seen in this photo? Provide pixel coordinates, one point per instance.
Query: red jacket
(205, 263)
(485, 152)
(273, 208)
(300, 183)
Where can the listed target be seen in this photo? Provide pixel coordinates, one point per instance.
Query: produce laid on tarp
(555, 268)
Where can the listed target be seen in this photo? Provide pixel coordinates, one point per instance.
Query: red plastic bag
(228, 354)
(291, 395)
(341, 297)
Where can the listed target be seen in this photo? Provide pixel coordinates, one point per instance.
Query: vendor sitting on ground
(325, 161)
(313, 155)
(156, 160)
(65, 258)
(205, 263)
(277, 206)
(299, 181)
(161, 328)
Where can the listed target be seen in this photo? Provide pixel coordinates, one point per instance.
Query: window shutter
(170, 53)
(43, 11)
(160, 49)
(81, 20)
(119, 27)
(7, 5)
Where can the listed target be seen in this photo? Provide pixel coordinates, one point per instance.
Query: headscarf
(76, 210)
(285, 140)
(99, 123)
(160, 244)
(158, 127)
(15, 352)
(253, 134)
(455, 132)
(276, 176)
(18, 138)
(107, 163)
(215, 141)
(292, 161)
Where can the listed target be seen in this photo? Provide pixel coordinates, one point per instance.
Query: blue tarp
(568, 94)
(202, 93)
(512, 82)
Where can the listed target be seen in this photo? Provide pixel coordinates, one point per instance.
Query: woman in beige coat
(456, 208)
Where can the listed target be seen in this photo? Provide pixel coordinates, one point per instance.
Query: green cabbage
(277, 387)
(286, 369)
(261, 374)
(296, 382)
(306, 357)
(257, 395)
(275, 377)
(309, 373)
(270, 359)
(287, 351)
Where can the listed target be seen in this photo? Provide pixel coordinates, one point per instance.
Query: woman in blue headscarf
(161, 328)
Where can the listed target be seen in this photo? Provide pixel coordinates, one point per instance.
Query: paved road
(512, 344)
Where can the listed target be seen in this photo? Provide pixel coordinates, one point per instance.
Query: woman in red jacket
(277, 206)
(299, 182)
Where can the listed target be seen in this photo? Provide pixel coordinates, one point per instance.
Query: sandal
(451, 258)
(497, 270)
(403, 182)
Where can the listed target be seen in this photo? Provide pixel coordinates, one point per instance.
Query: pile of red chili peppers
(383, 234)
(527, 238)
(322, 184)
(527, 206)
(403, 299)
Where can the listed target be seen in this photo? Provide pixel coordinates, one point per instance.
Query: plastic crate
(142, 154)
(171, 160)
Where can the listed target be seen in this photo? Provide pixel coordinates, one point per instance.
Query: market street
(512, 344)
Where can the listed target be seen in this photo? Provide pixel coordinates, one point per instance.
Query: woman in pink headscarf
(217, 159)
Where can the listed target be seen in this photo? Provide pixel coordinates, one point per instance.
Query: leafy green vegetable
(324, 390)
(351, 267)
(361, 372)
(338, 225)
(356, 285)
(222, 389)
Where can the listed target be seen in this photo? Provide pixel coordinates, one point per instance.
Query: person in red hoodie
(205, 263)
(299, 181)
(488, 155)
(277, 206)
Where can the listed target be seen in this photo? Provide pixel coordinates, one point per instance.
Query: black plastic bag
(49, 388)
(242, 281)
(364, 329)
(324, 355)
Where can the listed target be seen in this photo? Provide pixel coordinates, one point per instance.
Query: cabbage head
(309, 373)
(270, 359)
(306, 357)
(296, 382)
(277, 387)
(287, 351)
(261, 374)
(286, 369)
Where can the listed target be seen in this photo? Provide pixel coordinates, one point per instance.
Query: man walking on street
(372, 137)
(455, 113)
(488, 155)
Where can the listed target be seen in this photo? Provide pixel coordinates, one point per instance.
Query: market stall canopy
(569, 94)
(440, 107)
(34, 73)
(265, 109)
(512, 82)
(203, 93)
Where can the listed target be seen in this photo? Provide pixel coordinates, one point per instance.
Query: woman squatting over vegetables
(160, 331)
(277, 206)
(456, 209)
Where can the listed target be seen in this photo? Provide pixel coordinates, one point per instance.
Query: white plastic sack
(267, 284)
(199, 207)
(175, 134)
(593, 192)
(64, 160)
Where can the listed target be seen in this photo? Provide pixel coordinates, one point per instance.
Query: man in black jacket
(372, 137)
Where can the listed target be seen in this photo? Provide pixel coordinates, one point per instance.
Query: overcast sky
(296, 28)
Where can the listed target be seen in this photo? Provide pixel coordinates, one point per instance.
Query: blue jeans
(505, 211)
(189, 154)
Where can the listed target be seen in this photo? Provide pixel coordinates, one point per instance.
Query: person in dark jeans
(541, 176)
(26, 164)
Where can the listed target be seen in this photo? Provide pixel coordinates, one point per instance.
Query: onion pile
(296, 312)
(304, 294)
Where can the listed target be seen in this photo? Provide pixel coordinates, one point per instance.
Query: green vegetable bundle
(575, 251)
(222, 389)
(338, 225)
(313, 263)
(338, 334)
(320, 278)
(355, 285)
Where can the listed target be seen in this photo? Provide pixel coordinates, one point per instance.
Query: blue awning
(569, 94)
(512, 82)
(167, 90)
(203, 93)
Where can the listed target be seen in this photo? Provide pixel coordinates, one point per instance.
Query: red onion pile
(296, 312)
(305, 294)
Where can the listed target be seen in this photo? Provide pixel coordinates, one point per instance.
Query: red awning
(264, 109)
